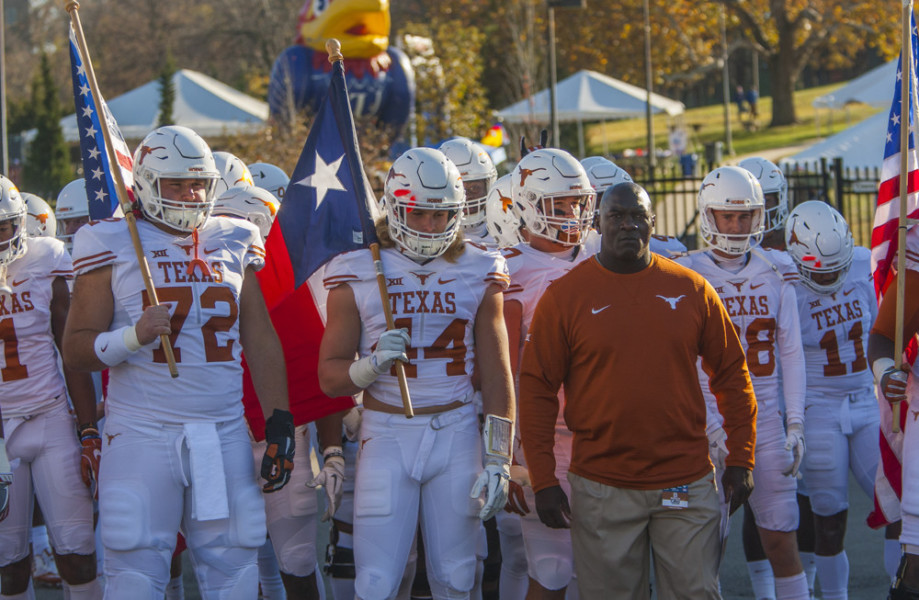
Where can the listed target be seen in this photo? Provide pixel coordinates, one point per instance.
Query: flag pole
(906, 76)
(333, 48)
(73, 8)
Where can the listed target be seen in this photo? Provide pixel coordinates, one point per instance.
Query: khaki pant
(613, 529)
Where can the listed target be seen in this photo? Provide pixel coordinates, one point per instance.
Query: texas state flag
(325, 212)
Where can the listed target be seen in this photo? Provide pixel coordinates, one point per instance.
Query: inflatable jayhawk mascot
(380, 77)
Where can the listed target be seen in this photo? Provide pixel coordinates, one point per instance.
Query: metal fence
(674, 191)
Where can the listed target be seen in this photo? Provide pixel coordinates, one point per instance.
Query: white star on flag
(94, 153)
(100, 195)
(81, 70)
(97, 173)
(84, 90)
(324, 178)
(87, 112)
(91, 132)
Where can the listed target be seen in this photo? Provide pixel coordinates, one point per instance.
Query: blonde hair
(453, 252)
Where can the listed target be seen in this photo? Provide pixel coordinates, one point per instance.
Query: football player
(53, 455)
(293, 513)
(40, 219)
(837, 306)
(557, 209)
(71, 211)
(446, 299)
(233, 172)
(775, 195)
(479, 175)
(176, 452)
(270, 177)
(756, 287)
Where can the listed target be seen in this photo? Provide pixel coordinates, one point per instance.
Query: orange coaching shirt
(625, 348)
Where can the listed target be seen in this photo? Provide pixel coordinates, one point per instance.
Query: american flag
(884, 242)
(100, 183)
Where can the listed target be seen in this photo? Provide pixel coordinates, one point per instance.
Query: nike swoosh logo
(597, 311)
(18, 283)
(104, 348)
(211, 251)
(845, 293)
(443, 281)
(758, 285)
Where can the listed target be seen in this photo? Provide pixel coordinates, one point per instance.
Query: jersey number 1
(13, 369)
(834, 366)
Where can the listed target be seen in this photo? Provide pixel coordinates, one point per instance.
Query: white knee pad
(373, 585)
(552, 572)
(125, 519)
(453, 581)
(131, 585)
(247, 513)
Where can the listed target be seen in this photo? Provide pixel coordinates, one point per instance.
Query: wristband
(332, 452)
(4, 461)
(87, 431)
(499, 437)
(362, 373)
(114, 347)
(880, 366)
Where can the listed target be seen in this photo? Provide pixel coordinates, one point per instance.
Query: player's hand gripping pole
(905, 101)
(333, 48)
(73, 7)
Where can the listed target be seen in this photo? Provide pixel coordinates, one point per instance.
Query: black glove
(278, 461)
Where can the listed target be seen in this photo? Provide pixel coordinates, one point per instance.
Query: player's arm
(794, 375)
(79, 383)
(513, 321)
(339, 373)
(87, 344)
(260, 342)
(881, 347)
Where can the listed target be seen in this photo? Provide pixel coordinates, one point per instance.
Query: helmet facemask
(14, 247)
(566, 227)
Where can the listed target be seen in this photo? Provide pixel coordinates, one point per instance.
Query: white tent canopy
(202, 103)
(874, 88)
(861, 145)
(589, 96)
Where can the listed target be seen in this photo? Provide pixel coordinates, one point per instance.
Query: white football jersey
(31, 380)
(761, 301)
(834, 331)
(436, 302)
(531, 273)
(479, 235)
(204, 309)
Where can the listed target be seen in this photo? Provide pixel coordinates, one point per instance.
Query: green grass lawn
(706, 124)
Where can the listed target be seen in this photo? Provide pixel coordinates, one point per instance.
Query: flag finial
(333, 48)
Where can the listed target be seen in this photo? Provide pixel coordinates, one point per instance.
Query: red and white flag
(884, 243)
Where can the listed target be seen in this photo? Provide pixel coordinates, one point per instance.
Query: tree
(787, 33)
(47, 168)
(167, 92)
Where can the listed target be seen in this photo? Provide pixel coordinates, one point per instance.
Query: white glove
(332, 479)
(494, 481)
(6, 479)
(794, 441)
(390, 348)
(352, 422)
(717, 447)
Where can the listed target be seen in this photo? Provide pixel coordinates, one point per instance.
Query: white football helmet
(543, 176)
(478, 173)
(250, 202)
(423, 179)
(731, 188)
(12, 210)
(604, 173)
(775, 187)
(271, 178)
(71, 210)
(174, 152)
(40, 221)
(233, 172)
(502, 221)
(819, 241)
